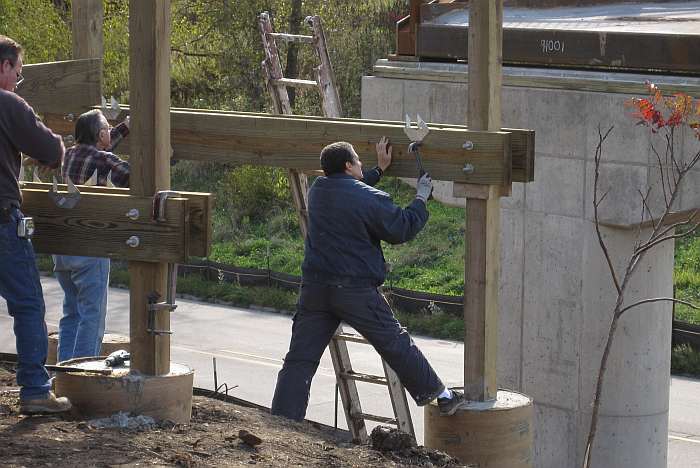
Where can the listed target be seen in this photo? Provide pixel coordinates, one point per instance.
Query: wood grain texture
(295, 142)
(482, 236)
(98, 227)
(149, 88)
(87, 21)
(57, 87)
(199, 216)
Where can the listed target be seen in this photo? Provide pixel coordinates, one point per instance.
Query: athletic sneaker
(44, 405)
(449, 406)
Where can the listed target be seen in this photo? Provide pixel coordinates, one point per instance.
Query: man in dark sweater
(22, 132)
(342, 271)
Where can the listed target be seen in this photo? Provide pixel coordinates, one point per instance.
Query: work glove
(424, 187)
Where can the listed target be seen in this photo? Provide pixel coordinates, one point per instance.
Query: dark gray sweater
(22, 132)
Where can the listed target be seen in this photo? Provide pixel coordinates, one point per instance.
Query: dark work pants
(320, 310)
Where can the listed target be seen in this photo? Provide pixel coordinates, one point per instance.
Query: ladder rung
(368, 378)
(376, 418)
(295, 83)
(293, 38)
(350, 337)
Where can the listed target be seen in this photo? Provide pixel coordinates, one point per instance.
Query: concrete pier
(556, 295)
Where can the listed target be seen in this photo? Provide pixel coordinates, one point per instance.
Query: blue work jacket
(347, 220)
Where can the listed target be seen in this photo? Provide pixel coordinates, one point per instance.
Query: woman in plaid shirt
(85, 279)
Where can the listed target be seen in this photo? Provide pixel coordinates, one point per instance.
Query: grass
(686, 278)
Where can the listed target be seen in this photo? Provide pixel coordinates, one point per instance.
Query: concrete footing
(162, 397)
(110, 342)
(496, 434)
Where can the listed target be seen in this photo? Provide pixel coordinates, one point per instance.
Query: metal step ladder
(277, 84)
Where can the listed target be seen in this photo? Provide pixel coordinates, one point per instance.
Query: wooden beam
(482, 256)
(264, 139)
(149, 87)
(88, 16)
(98, 227)
(199, 215)
(58, 86)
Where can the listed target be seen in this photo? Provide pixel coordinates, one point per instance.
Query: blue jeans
(84, 281)
(320, 310)
(21, 288)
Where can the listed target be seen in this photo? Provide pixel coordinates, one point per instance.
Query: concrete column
(555, 295)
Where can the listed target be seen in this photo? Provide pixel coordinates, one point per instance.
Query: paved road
(249, 347)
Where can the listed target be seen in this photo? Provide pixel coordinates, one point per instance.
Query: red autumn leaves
(659, 111)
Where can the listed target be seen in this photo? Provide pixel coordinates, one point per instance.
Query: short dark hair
(9, 50)
(335, 155)
(88, 126)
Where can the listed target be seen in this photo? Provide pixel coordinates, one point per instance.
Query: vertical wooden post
(482, 256)
(88, 17)
(149, 87)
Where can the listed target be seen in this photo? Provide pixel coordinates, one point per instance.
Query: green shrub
(685, 360)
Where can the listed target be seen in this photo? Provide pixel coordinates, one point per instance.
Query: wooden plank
(88, 17)
(199, 215)
(149, 88)
(482, 235)
(263, 139)
(58, 86)
(399, 402)
(98, 227)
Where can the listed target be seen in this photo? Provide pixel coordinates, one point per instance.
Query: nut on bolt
(468, 168)
(133, 241)
(133, 214)
(468, 145)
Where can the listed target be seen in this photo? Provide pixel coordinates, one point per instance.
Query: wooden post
(482, 256)
(149, 86)
(88, 17)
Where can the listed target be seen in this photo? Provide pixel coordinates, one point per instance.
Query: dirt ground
(214, 437)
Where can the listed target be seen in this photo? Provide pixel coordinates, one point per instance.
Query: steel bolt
(468, 145)
(133, 241)
(468, 169)
(133, 214)
(69, 117)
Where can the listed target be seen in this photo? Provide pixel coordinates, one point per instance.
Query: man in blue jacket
(342, 271)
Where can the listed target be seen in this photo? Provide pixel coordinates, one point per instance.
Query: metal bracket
(67, 200)
(159, 199)
(153, 308)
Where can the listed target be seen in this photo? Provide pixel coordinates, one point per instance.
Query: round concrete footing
(497, 434)
(162, 397)
(110, 342)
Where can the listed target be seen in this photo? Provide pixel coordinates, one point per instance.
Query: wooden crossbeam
(57, 86)
(199, 214)
(295, 142)
(98, 226)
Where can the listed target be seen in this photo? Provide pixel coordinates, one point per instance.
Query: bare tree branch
(596, 202)
(657, 299)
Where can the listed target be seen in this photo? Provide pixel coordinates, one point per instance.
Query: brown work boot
(44, 405)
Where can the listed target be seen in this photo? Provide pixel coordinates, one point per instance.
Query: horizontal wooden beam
(99, 227)
(295, 142)
(200, 209)
(58, 86)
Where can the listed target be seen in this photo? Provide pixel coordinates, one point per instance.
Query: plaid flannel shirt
(81, 162)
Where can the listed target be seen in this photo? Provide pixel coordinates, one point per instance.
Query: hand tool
(117, 358)
(53, 368)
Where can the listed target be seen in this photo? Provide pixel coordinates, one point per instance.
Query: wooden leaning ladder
(346, 377)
